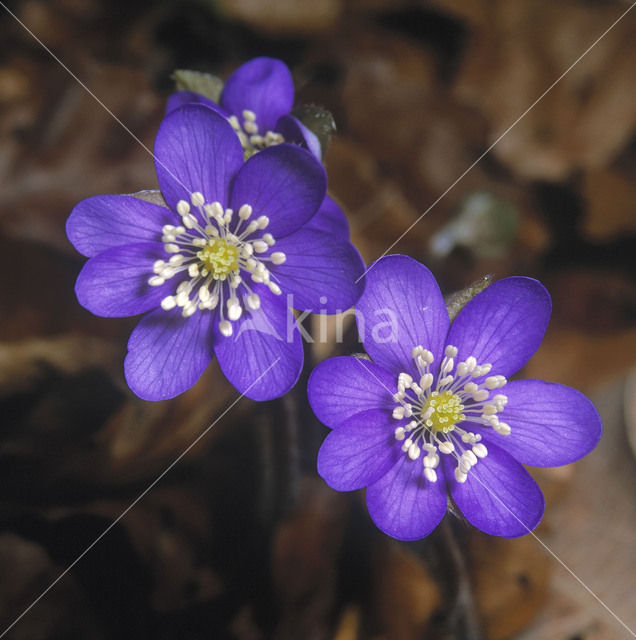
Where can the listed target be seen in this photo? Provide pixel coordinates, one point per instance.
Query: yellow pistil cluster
(219, 258)
(447, 411)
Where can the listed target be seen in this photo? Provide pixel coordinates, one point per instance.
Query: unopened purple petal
(359, 451)
(401, 308)
(320, 273)
(503, 325)
(114, 283)
(341, 387)
(285, 183)
(196, 150)
(262, 85)
(405, 505)
(181, 98)
(551, 424)
(499, 496)
(294, 131)
(167, 353)
(264, 355)
(102, 222)
(331, 219)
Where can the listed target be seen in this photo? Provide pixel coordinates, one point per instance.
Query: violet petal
(264, 355)
(167, 353)
(339, 388)
(503, 325)
(284, 183)
(114, 283)
(102, 222)
(551, 424)
(403, 504)
(320, 273)
(359, 451)
(196, 150)
(262, 85)
(499, 497)
(401, 308)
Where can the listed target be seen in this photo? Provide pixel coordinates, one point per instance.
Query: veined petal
(401, 308)
(360, 451)
(102, 222)
(114, 283)
(499, 496)
(342, 387)
(294, 131)
(196, 150)
(167, 353)
(322, 273)
(264, 355)
(262, 85)
(403, 504)
(503, 325)
(181, 98)
(551, 424)
(330, 218)
(285, 183)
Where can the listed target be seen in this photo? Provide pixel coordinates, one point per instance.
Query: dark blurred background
(242, 539)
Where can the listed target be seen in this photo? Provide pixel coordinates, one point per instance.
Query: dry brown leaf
(611, 205)
(405, 593)
(587, 118)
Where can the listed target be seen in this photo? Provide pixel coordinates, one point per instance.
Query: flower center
(214, 253)
(437, 405)
(445, 411)
(219, 258)
(251, 139)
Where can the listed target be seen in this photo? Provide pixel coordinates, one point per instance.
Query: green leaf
(204, 83)
(318, 120)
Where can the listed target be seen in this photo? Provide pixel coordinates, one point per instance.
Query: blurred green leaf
(319, 121)
(204, 83)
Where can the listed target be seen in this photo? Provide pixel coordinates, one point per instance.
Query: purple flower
(257, 99)
(433, 412)
(217, 269)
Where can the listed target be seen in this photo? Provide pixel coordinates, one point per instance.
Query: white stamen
(245, 212)
(460, 476)
(235, 311)
(278, 257)
(480, 450)
(430, 474)
(168, 303)
(253, 301)
(446, 447)
(414, 452)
